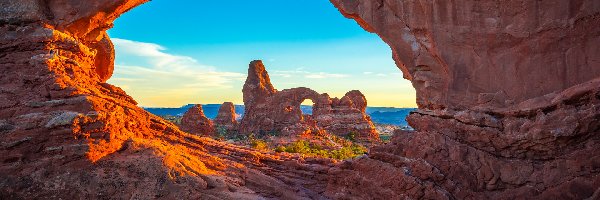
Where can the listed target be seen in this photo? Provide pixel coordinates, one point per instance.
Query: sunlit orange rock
(66, 134)
(508, 95)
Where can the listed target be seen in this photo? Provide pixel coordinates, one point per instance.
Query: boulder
(194, 121)
(226, 117)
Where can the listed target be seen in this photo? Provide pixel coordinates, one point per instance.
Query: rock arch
(484, 130)
(270, 110)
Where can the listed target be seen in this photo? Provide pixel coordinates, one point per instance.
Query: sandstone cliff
(508, 95)
(68, 134)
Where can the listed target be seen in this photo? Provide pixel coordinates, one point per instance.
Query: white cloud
(150, 73)
(153, 53)
(307, 74)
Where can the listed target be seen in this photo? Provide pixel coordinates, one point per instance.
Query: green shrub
(385, 138)
(280, 149)
(222, 132)
(299, 146)
(306, 148)
(274, 133)
(351, 136)
(259, 144)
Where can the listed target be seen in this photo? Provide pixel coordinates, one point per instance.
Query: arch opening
(166, 70)
(162, 68)
(104, 120)
(307, 107)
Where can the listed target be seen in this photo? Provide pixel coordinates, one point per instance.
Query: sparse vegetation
(304, 147)
(280, 149)
(259, 144)
(172, 119)
(385, 138)
(351, 136)
(221, 132)
(325, 146)
(340, 148)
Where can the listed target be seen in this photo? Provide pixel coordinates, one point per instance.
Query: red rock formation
(67, 134)
(437, 45)
(194, 121)
(269, 110)
(346, 115)
(508, 94)
(226, 118)
(258, 85)
(505, 110)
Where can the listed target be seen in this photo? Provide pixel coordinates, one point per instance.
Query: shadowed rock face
(226, 117)
(508, 94)
(268, 110)
(485, 54)
(194, 121)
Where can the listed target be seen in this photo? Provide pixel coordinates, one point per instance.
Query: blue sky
(171, 53)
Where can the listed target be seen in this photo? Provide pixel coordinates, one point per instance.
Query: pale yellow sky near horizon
(173, 99)
(401, 97)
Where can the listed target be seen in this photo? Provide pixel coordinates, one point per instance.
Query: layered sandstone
(269, 110)
(194, 121)
(485, 54)
(507, 90)
(508, 95)
(66, 134)
(346, 116)
(226, 117)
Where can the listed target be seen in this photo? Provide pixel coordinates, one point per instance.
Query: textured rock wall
(269, 110)
(519, 79)
(508, 95)
(346, 115)
(471, 54)
(65, 133)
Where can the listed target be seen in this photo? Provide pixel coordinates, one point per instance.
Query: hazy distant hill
(380, 115)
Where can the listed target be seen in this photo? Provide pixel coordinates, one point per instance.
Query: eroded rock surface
(226, 117)
(508, 95)
(66, 134)
(269, 110)
(194, 121)
(507, 91)
(487, 53)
